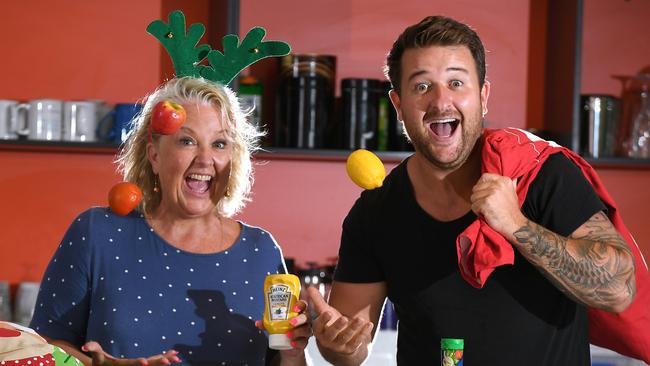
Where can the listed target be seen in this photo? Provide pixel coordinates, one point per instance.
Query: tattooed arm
(593, 265)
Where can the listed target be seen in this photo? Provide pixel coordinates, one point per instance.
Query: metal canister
(599, 125)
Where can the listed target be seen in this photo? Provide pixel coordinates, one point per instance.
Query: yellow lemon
(365, 169)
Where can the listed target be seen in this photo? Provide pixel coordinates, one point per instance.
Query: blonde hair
(136, 168)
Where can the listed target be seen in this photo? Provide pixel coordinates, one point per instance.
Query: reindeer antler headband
(167, 117)
(224, 67)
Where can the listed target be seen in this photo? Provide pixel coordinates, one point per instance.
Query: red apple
(167, 117)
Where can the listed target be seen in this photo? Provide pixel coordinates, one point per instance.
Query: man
(399, 241)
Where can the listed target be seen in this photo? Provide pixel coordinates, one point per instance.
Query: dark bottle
(360, 105)
(305, 108)
(397, 140)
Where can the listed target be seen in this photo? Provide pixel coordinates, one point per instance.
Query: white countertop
(384, 352)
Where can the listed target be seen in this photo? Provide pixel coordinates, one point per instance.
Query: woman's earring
(227, 194)
(156, 189)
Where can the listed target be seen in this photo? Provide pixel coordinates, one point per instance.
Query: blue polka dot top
(115, 281)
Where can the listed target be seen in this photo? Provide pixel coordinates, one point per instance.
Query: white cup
(8, 119)
(25, 302)
(44, 119)
(79, 121)
(5, 302)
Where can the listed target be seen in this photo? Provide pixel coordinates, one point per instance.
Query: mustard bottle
(281, 293)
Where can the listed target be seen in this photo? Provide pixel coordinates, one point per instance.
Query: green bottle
(451, 351)
(250, 97)
(382, 123)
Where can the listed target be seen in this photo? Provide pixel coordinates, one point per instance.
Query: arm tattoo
(594, 265)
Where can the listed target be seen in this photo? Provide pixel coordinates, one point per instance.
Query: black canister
(360, 106)
(305, 101)
(397, 140)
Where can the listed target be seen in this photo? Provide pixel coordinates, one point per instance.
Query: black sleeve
(357, 261)
(560, 198)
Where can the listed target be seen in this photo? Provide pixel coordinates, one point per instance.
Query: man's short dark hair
(434, 31)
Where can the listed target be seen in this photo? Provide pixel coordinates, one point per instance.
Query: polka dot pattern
(121, 292)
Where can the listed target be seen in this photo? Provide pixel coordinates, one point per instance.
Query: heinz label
(279, 299)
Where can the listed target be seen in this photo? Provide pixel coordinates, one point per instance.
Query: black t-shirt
(517, 318)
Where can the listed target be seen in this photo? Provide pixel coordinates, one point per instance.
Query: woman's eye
(421, 88)
(220, 144)
(456, 83)
(186, 141)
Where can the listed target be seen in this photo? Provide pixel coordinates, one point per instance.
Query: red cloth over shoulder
(519, 155)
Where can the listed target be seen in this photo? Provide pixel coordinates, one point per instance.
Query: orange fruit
(124, 197)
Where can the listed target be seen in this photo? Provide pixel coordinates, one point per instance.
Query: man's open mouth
(445, 127)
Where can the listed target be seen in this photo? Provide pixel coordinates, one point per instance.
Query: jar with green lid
(451, 351)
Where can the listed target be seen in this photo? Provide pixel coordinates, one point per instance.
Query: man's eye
(421, 87)
(456, 83)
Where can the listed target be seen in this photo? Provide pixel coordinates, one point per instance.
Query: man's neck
(444, 193)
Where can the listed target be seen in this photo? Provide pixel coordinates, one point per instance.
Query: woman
(179, 274)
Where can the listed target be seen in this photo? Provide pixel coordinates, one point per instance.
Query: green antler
(225, 66)
(186, 57)
(181, 46)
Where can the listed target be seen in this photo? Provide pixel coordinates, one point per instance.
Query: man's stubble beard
(463, 151)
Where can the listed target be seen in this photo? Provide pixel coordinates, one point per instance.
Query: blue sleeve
(278, 258)
(62, 305)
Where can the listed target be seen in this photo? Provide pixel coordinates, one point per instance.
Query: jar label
(452, 357)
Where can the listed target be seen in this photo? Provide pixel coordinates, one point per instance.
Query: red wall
(41, 193)
(78, 49)
(616, 41)
(360, 33)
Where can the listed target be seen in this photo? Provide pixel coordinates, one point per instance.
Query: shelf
(269, 153)
(325, 155)
(619, 163)
(59, 146)
(272, 153)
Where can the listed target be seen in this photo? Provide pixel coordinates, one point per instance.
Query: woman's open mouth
(198, 183)
(444, 128)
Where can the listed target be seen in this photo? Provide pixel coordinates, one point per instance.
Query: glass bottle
(250, 97)
(639, 146)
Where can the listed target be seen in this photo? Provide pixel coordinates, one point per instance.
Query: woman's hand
(299, 336)
(101, 358)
